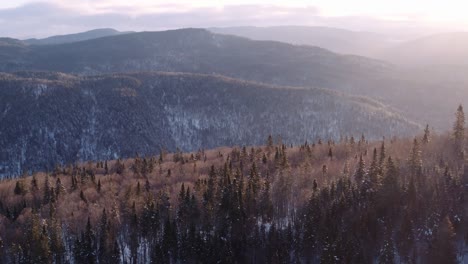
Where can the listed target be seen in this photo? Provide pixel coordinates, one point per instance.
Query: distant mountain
(448, 49)
(200, 51)
(92, 34)
(57, 118)
(270, 62)
(334, 39)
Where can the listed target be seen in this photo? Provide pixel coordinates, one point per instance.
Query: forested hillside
(199, 51)
(274, 63)
(53, 118)
(347, 201)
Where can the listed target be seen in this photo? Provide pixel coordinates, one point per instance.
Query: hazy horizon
(38, 19)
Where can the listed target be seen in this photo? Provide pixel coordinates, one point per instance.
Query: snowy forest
(395, 200)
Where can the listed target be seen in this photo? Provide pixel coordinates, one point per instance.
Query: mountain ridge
(71, 118)
(200, 51)
(75, 37)
(335, 39)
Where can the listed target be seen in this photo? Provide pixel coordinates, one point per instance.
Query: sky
(29, 18)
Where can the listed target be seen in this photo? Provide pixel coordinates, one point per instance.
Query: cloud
(42, 19)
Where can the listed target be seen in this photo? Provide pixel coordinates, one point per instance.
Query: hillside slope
(351, 201)
(200, 51)
(51, 118)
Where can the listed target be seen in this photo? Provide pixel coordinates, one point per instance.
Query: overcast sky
(28, 18)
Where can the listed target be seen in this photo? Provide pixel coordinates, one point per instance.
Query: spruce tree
(383, 156)
(89, 243)
(443, 248)
(387, 252)
(105, 248)
(427, 135)
(415, 160)
(99, 187)
(47, 192)
(106, 168)
(374, 170)
(360, 174)
(459, 132)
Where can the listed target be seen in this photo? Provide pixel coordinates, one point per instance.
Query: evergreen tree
(89, 244)
(115, 257)
(269, 143)
(134, 239)
(47, 192)
(387, 253)
(266, 205)
(459, 131)
(34, 184)
(119, 167)
(443, 249)
(405, 238)
(383, 156)
(20, 189)
(105, 246)
(99, 186)
(360, 174)
(37, 248)
(106, 168)
(415, 161)
(59, 188)
(427, 135)
(57, 246)
(374, 170)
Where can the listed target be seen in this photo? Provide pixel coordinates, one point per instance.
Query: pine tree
(105, 246)
(20, 189)
(59, 188)
(374, 170)
(74, 183)
(266, 206)
(119, 167)
(115, 257)
(57, 246)
(427, 135)
(147, 186)
(106, 168)
(346, 169)
(360, 174)
(34, 185)
(161, 156)
(99, 186)
(389, 191)
(459, 132)
(270, 143)
(387, 253)
(443, 249)
(47, 192)
(415, 161)
(89, 244)
(134, 241)
(37, 242)
(82, 197)
(405, 238)
(138, 189)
